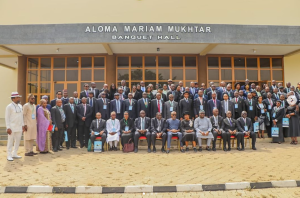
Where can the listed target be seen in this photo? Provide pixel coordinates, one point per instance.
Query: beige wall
(8, 82)
(255, 12)
(291, 69)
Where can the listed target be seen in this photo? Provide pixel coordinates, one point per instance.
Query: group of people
(189, 113)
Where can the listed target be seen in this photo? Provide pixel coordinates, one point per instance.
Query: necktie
(143, 126)
(236, 100)
(87, 94)
(91, 102)
(158, 105)
(187, 100)
(84, 109)
(250, 102)
(215, 103)
(145, 101)
(230, 122)
(226, 107)
(72, 108)
(98, 124)
(130, 102)
(118, 107)
(159, 125)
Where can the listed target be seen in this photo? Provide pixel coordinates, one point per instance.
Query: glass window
(72, 62)
(225, 61)
(276, 63)
(264, 63)
(45, 88)
(265, 75)
(32, 75)
(99, 85)
(163, 74)
(252, 75)
(226, 74)
(251, 62)
(99, 62)
(72, 75)
(277, 75)
(45, 63)
(177, 61)
(59, 63)
(213, 74)
(239, 62)
(150, 74)
(123, 74)
(99, 75)
(71, 87)
(58, 75)
(150, 61)
(137, 61)
(45, 75)
(86, 74)
(86, 62)
(123, 61)
(177, 74)
(190, 61)
(33, 63)
(239, 74)
(213, 62)
(32, 87)
(136, 74)
(163, 61)
(190, 74)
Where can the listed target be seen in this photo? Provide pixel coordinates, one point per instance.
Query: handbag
(285, 122)
(275, 131)
(256, 126)
(89, 148)
(128, 147)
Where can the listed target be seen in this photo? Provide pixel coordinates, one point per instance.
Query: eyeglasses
(173, 115)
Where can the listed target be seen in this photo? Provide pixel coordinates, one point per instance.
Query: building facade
(45, 47)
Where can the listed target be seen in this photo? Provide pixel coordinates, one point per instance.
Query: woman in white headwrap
(292, 112)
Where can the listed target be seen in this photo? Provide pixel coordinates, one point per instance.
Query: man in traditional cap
(14, 125)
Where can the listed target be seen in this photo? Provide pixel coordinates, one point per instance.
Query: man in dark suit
(200, 103)
(222, 89)
(71, 122)
(229, 92)
(218, 94)
(216, 122)
(142, 128)
(137, 94)
(229, 128)
(244, 125)
(273, 86)
(250, 106)
(126, 89)
(91, 100)
(84, 116)
(186, 105)
(270, 103)
(65, 98)
(170, 106)
(122, 95)
(77, 100)
(288, 88)
(157, 105)
(158, 130)
(85, 92)
(131, 107)
(94, 89)
(193, 89)
(145, 105)
(58, 96)
(247, 82)
(239, 105)
(102, 105)
(98, 129)
(173, 92)
(227, 105)
(212, 104)
(117, 106)
(275, 95)
(163, 96)
(58, 118)
(264, 94)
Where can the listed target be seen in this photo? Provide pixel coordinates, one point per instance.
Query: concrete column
(21, 84)
(202, 70)
(111, 69)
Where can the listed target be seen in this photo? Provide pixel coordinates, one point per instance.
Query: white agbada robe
(14, 121)
(110, 125)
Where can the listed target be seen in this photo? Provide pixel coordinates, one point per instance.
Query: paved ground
(264, 193)
(76, 167)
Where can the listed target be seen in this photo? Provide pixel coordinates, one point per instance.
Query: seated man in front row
(142, 128)
(158, 130)
(173, 128)
(244, 125)
(216, 122)
(203, 130)
(98, 129)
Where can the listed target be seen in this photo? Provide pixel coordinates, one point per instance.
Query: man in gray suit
(170, 106)
(98, 129)
(58, 119)
(227, 105)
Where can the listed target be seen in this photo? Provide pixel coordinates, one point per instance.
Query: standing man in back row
(14, 126)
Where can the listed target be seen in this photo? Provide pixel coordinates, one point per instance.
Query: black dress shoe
(135, 150)
(242, 149)
(115, 148)
(59, 149)
(200, 149)
(110, 148)
(74, 147)
(214, 149)
(238, 148)
(154, 150)
(195, 150)
(182, 150)
(149, 150)
(68, 148)
(163, 150)
(229, 149)
(207, 148)
(187, 149)
(225, 149)
(33, 153)
(168, 151)
(254, 148)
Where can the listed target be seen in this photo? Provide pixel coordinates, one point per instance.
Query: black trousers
(125, 137)
(163, 139)
(84, 135)
(137, 135)
(226, 139)
(252, 136)
(56, 138)
(103, 136)
(215, 134)
(71, 136)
